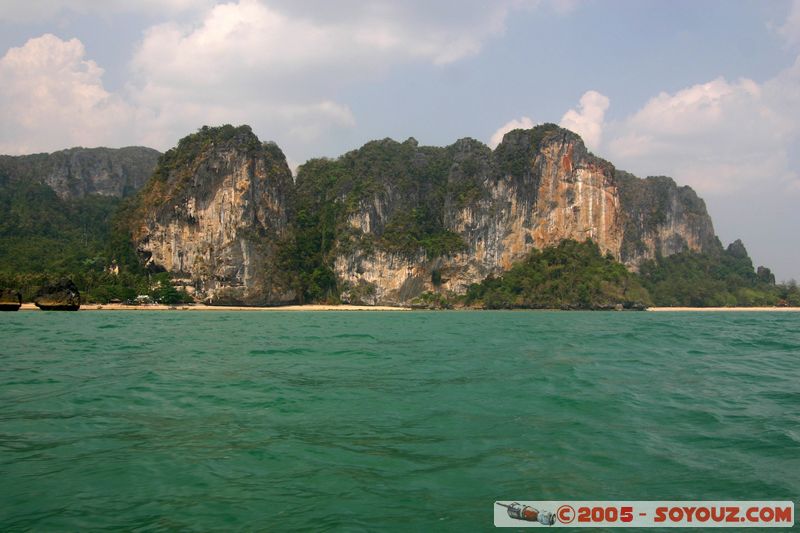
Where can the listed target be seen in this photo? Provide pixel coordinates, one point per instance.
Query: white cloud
(243, 63)
(52, 97)
(253, 35)
(790, 30)
(275, 64)
(718, 136)
(522, 123)
(588, 121)
(25, 11)
(442, 32)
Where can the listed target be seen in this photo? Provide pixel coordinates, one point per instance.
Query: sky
(707, 92)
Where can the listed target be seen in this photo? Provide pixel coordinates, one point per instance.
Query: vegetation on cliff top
(408, 180)
(515, 153)
(187, 153)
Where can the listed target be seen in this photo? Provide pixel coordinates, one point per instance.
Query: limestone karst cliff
(213, 213)
(536, 188)
(79, 172)
(389, 221)
(661, 218)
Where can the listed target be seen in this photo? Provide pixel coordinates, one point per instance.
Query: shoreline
(725, 309)
(203, 307)
(325, 307)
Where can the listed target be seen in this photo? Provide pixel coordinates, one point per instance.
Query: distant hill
(79, 172)
(58, 210)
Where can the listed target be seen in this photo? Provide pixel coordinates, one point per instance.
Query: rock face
(661, 218)
(10, 300)
(391, 221)
(79, 172)
(213, 214)
(61, 296)
(538, 187)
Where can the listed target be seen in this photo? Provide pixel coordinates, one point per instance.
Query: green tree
(722, 277)
(165, 292)
(572, 275)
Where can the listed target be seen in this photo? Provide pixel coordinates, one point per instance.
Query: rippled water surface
(385, 421)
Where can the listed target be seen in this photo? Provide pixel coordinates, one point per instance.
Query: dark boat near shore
(10, 300)
(61, 296)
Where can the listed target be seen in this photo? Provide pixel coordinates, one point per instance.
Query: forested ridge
(44, 237)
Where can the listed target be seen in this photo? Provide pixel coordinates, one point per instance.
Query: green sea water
(390, 421)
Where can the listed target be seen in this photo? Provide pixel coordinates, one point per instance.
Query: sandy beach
(201, 307)
(716, 309)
